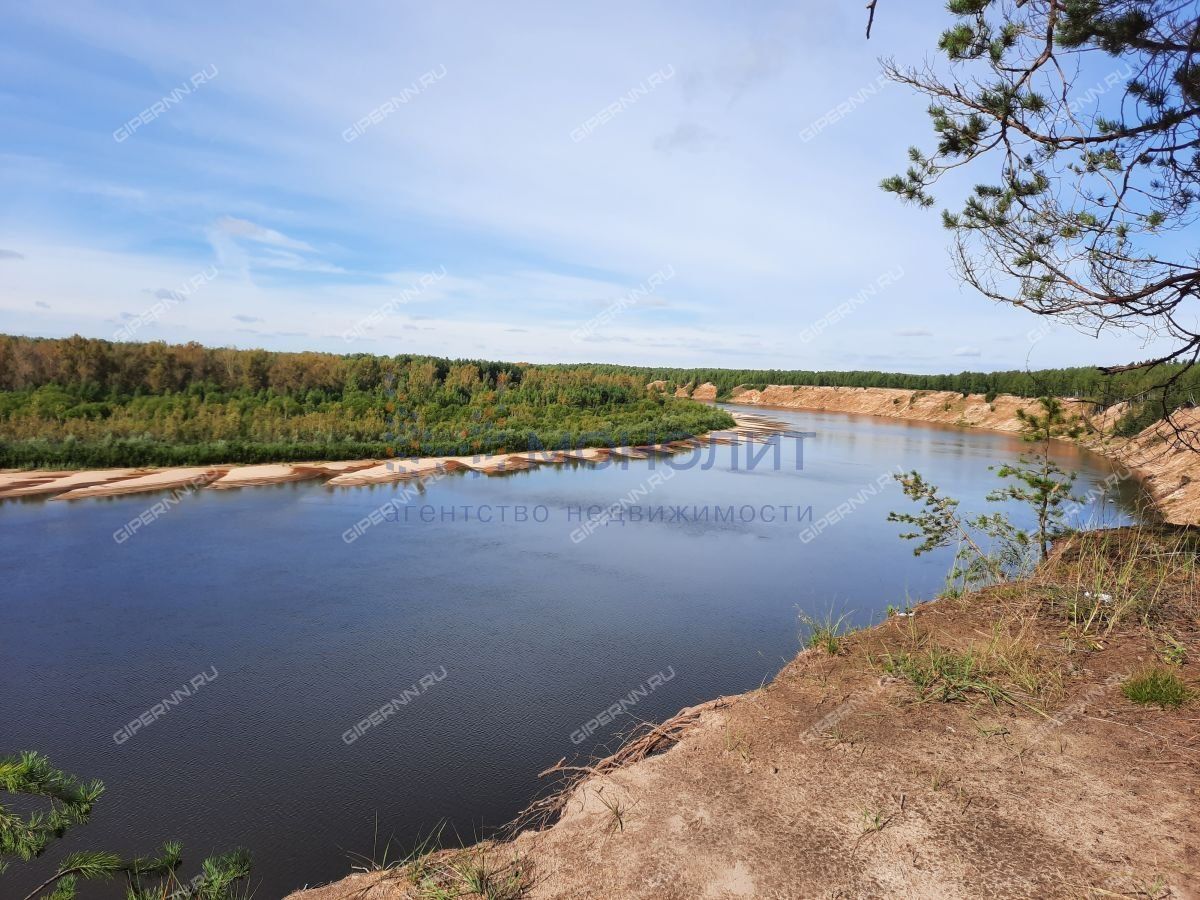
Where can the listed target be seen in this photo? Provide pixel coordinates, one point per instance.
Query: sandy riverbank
(1170, 473)
(64, 485)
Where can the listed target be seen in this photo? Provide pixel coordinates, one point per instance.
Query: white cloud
(243, 247)
(243, 228)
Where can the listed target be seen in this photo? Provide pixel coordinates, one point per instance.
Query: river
(257, 668)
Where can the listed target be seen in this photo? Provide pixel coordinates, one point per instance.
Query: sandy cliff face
(947, 407)
(706, 391)
(1171, 473)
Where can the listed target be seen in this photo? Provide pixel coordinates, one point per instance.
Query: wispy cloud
(285, 334)
(688, 136)
(251, 231)
(243, 247)
(737, 70)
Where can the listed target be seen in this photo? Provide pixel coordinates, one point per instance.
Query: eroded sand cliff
(1170, 472)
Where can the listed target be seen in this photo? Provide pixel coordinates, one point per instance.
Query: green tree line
(84, 402)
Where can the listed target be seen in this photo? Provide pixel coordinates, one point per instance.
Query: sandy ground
(69, 482)
(272, 473)
(16, 478)
(841, 780)
(392, 470)
(165, 479)
(346, 473)
(341, 465)
(587, 454)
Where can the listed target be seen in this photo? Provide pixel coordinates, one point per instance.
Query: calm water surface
(531, 634)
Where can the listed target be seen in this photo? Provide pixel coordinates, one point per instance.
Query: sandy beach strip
(394, 470)
(269, 473)
(403, 469)
(735, 436)
(11, 481)
(498, 464)
(542, 457)
(588, 454)
(190, 476)
(74, 485)
(73, 481)
(338, 466)
(659, 449)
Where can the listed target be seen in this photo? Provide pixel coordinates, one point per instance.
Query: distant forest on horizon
(126, 368)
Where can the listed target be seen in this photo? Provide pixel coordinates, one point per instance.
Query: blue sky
(441, 178)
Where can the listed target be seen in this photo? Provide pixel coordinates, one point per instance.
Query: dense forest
(84, 402)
